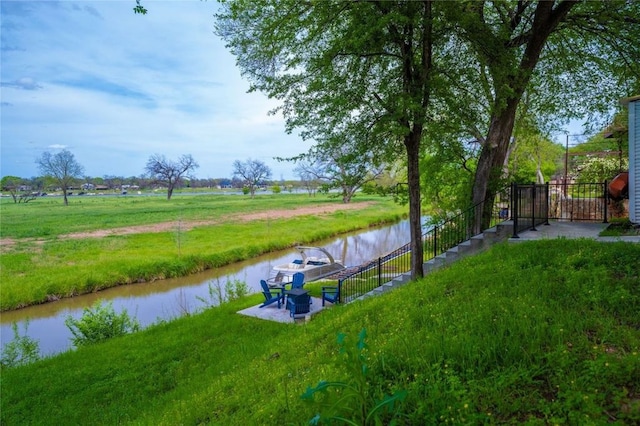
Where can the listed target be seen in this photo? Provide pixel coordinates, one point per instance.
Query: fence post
(533, 207)
(340, 291)
(435, 241)
(379, 271)
(514, 209)
(547, 203)
(606, 201)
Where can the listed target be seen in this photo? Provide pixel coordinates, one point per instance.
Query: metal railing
(579, 201)
(374, 274)
(436, 240)
(533, 205)
(528, 206)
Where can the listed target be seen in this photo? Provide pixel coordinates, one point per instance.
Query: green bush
(233, 290)
(100, 322)
(21, 350)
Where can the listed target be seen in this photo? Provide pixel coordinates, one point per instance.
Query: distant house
(634, 157)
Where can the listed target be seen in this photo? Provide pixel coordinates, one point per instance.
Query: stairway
(476, 244)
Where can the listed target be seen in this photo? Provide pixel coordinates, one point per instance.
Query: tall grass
(537, 333)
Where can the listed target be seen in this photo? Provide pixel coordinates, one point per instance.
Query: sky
(115, 88)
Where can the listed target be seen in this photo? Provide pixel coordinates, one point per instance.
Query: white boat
(314, 263)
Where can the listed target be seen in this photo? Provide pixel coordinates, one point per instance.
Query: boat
(314, 263)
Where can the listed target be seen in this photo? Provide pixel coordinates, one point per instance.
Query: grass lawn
(536, 333)
(620, 228)
(195, 233)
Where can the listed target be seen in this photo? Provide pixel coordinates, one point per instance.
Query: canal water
(169, 299)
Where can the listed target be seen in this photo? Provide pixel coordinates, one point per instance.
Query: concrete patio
(272, 313)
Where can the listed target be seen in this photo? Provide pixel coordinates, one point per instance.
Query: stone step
(449, 256)
(473, 245)
(477, 241)
(431, 265)
(402, 279)
(465, 247)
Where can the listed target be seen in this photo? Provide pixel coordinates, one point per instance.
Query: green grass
(620, 227)
(536, 333)
(48, 217)
(36, 271)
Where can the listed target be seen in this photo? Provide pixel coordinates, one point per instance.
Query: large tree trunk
(490, 164)
(509, 87)
(412, 144)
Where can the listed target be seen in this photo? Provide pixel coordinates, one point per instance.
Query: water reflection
(167, 299)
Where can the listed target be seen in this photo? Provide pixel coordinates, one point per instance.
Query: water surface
(172, 298)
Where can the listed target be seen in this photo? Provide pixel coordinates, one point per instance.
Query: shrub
(233, 290)
(21, 350)
(100, 322)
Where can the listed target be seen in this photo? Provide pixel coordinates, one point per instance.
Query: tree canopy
(62, 168)
(18, 188)
(567, 58)
(252, 173)
(410, 73)
(338, 66)
(169, 172)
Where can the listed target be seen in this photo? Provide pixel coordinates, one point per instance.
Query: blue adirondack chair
(271, 295)
(330, 294)
(297, 282)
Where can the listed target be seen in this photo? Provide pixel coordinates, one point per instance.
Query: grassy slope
(540, 332)
(34, 272)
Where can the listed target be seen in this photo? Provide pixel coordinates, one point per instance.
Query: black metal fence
(436, 240)
(528, 206)
(533, 205)
(365, 278)
(579, 202)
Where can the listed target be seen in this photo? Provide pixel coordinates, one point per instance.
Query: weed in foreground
(353, 401)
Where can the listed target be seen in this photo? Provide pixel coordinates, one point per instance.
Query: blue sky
(114, 88)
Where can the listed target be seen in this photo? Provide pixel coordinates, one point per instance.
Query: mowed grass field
(50, 250)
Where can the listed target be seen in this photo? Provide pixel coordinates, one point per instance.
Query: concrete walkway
(571, 230)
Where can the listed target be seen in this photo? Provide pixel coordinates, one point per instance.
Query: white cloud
(114, 87)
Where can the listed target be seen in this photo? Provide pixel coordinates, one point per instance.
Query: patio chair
(271, 295)
(297, 282)
(330, 294)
